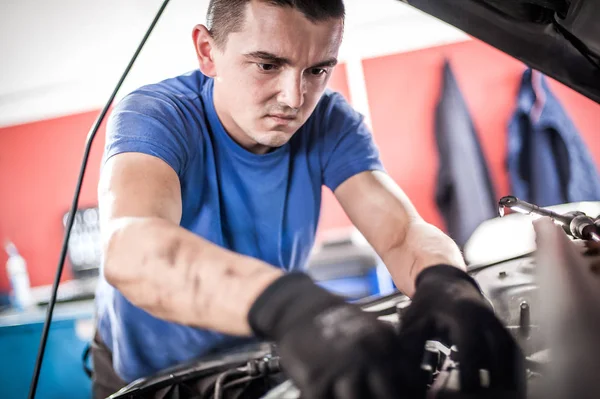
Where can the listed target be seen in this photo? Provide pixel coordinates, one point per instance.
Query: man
(210, 192)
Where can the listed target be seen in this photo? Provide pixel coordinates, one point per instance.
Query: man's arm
(178, 276)
(159, 266)
(446, 303)
(391, 224)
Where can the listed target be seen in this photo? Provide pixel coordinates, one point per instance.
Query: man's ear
(205, 45)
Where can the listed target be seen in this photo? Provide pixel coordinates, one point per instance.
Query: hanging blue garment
(464, 192)
(548, 162)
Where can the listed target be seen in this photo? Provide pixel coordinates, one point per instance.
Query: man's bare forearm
(424, 245)
(178, 276)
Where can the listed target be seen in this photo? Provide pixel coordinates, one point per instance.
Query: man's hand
(329, 348)
(449, 307)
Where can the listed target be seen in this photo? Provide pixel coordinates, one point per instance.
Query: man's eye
(266, 67)
(318, 71)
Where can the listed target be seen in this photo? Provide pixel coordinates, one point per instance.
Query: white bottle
(19, 278)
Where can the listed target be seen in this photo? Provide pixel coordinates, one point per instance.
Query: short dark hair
(226, 16)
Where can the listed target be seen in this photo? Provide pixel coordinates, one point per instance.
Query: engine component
(569, 272)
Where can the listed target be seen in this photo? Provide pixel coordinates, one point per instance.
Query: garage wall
(402, 105)
(39, 161)
(39, 165)
(402, 92)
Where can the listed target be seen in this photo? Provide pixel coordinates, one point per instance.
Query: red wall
(39, 161)
(402, 105)
(39, 165)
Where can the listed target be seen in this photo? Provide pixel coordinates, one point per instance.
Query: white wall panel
(59, 57)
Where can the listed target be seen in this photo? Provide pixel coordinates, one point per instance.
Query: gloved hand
(329, 348)
(448, 306)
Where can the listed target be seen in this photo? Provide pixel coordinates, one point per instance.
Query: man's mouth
(282, 119)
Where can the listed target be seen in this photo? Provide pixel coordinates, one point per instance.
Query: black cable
(254, 369)
(84, 361)
(69, 225)
(210, 389)
(221, 380)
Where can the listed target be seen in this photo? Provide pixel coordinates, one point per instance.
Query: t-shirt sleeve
(348, 146)
(149, 123)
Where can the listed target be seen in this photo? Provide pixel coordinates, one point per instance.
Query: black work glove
(329, 348)
(448, 306)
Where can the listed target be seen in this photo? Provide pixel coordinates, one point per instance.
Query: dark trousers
(105, 380)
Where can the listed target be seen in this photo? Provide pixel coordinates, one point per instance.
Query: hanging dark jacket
(464, 192)
(548, 162)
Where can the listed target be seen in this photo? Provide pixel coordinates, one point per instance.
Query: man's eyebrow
(269, 57)
(274, 59)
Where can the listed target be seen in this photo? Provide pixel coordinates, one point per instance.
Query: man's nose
(292, 91)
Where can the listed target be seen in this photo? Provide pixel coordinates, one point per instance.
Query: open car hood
(560, 38)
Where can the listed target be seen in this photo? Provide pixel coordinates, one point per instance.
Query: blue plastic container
(62, 375)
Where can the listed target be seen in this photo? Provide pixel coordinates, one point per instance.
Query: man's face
(271, 74)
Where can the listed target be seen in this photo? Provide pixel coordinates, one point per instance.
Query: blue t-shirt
(265, 206)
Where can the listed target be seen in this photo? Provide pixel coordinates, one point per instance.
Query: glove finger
(385, 384)
(311, 385)
(506, 362)
(412, 341)
(473, 351)
(351, 386)
(316, 392)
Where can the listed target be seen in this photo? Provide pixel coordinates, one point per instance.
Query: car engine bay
(546, 298)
